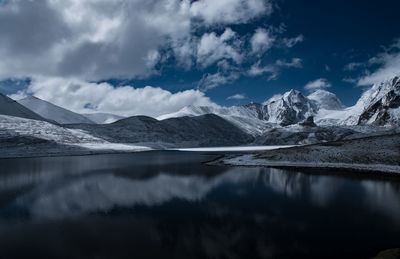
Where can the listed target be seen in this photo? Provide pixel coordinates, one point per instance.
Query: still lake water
(167, 204)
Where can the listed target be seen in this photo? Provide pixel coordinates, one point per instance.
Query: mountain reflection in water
(169, 203)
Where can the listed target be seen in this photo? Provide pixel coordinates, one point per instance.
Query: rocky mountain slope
(383, 106)
(291, 108)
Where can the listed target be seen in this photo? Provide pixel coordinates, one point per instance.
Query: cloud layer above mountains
(66, 46)
(96, 40)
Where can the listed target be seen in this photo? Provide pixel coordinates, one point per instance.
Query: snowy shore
(377, 154)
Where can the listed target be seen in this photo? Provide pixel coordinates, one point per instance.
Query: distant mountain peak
(290, 108)
(326, 100)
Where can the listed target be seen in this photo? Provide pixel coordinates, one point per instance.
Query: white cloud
(94, 40)
(230, 11)
(384, 65)
(389, 67)
(210, 81)
(237, 97)
(257, 70)
(320, 83)
(273, 69)
(83, 97)
(84, 41)
(291, 42)
(261, 41)
(295, 62)
(213, 48)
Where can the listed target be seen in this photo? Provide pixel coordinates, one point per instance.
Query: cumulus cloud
(261, 41)
(320, 83)
(237, 97)
(230, 11)
(213, 48)
(65, 46)
(95, 40)
(83, 97)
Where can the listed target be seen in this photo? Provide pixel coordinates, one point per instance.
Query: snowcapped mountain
(103, 118)
(12, 108)
(290, 108)
(283, 119)
(249, 117)
(326, 100)
(255, 118)
(53, 112)
(381, 104)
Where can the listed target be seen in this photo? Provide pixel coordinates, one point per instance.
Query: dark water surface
(168, 204)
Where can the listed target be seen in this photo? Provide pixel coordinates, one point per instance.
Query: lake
(168, 204)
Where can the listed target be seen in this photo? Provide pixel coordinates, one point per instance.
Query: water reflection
(159, 203)
(106, 191)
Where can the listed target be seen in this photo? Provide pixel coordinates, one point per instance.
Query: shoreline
(249, 160)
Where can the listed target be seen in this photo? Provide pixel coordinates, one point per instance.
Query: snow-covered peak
(378, 105)
(12, 108)
(53, 112)
(377, 91)
(292, 94)
(290, 108)
(326, 100)
(381, 104)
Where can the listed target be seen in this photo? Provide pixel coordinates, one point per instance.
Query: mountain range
(291, 118)
(377, 106)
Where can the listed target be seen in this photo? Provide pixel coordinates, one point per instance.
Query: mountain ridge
(11, 107)
(52, 112)
(379, 105)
